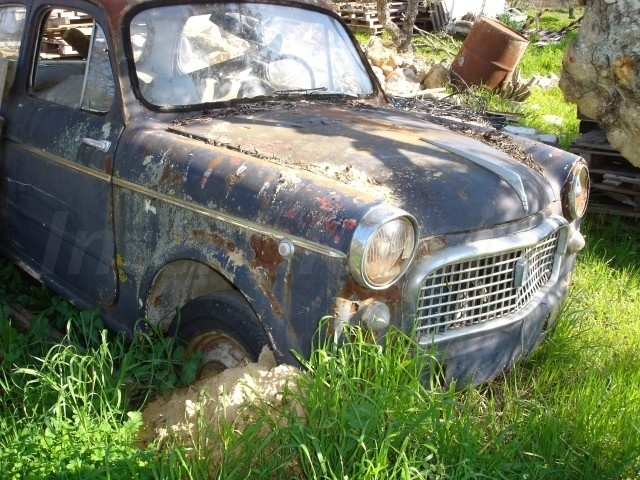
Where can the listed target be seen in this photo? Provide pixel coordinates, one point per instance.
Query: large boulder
(601, 71)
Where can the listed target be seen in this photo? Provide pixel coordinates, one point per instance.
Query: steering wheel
(273, 72)
(291, 67)
(269, 71)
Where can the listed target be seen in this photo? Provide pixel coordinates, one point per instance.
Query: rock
(437, 93)
(437, 76)
(398, 84)
(396, 76)
(379, 74)
(376, 52)
(421, 69)
(545, 82)
(410, 75)
(531, 133)
(553, 119)
(517, 130)
(405, 75)
(215, 402)
(386, 69)
(601, 71)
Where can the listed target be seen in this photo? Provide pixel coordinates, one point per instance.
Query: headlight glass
(383, 246)
(576, 192)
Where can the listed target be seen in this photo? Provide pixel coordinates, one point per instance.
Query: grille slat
(505, 292)
(470, 292)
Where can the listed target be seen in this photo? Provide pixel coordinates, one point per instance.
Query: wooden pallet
(363, 16)
(615, 183)
(432, 17)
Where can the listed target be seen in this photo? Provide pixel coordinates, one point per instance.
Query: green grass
(546, 106)
(544, 60)
(68, 409)
(570, 411)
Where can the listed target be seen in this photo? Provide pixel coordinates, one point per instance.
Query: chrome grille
(478, 290)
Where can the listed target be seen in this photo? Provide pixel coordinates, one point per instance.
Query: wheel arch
(178, 282)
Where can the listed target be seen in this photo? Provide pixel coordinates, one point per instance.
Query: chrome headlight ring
(575, 194)
(383, 246)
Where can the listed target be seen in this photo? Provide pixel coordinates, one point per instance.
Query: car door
(61, 128)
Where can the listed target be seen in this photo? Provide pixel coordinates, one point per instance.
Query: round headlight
(576, 191)
(383, 246)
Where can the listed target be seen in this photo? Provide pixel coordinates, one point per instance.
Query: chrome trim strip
(509, 176)
(483, 248)
(301, 242)
(63, 161)
(277, 235)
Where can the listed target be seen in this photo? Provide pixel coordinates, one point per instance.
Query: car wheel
(224, 328)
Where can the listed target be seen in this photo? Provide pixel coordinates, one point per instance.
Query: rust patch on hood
(266, 261)
(265, 250)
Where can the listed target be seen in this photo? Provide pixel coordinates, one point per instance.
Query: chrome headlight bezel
(369, 231)
(575, 193)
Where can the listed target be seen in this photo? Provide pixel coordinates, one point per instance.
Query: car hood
(450, 182)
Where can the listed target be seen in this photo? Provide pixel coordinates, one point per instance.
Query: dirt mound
(225, 398)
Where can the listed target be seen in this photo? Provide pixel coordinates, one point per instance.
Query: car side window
(73, 66)
(11, 27)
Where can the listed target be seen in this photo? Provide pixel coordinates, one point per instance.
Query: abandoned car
(232, 172)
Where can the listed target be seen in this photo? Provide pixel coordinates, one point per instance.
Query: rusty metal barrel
(489, 54)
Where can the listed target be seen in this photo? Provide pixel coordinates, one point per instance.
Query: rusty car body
(232, 172)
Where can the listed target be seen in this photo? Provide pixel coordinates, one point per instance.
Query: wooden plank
(595, 151)
(353, 13)
(629, 170)
(620, 211)
(621, 178)
(58, 22)
(615, 182)
(609, 188)
(365, 29)
(594, 139)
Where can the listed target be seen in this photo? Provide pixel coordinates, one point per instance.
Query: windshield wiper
(300, 91)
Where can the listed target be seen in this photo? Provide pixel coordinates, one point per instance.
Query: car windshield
(197, 54)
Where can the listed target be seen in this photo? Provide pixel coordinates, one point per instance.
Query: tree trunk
(401, 37)
(601, 71)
